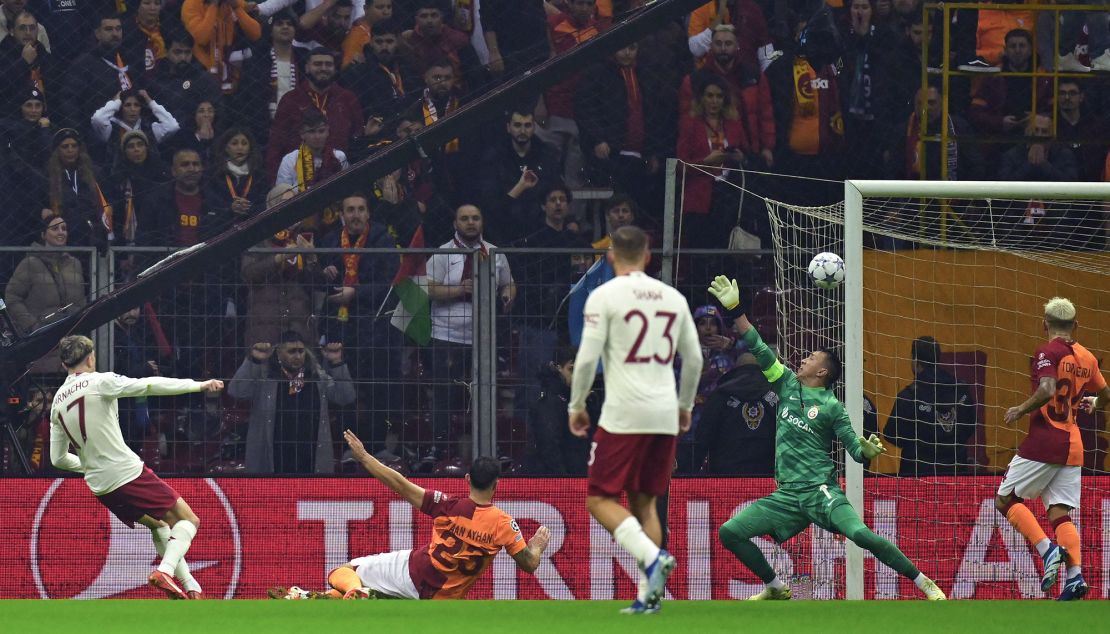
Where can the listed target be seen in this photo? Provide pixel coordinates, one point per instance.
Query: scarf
(296, 381)
(274, 76)
(155, 44)
(234, 191)
(915, 157)
(319, 101)
(306, 168)
(431, 115)
(468, 262)
(350, 264)
(634, 127)
(238, 170)
(284, 239)
(859, 95)
(36, 79)
(121, 72)
(222, 39)
(394, 79)
(130, 223)
(817, 125)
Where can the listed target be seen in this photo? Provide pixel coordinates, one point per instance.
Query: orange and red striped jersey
(1053, 436)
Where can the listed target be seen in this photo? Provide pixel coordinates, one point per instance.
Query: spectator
(933, 417)
(555, 114)
(95, 76)
(922, 159)
(514, 169)
(183, 218)
(26, 63)
(1084, 133)
(219, 27)
(710, 134)
(46, 286)
(749, 91)
(617, 120)
(900, 78)
(736, 433)
(136, 173)
(620, 211)
(316, 159)
(719, 354)
(27, 135)
(450, 289)
(359, 285)
(290, 393)
(515, 33)
(991, 29)
(237, 188)
(808, 120)
(10, 10)
(338, 105)
(552, 449)
(280, 285)
(140, 349)
(123, 113)
(1041, 159)
(431, 40)
(201, 129)
(273, 70)
(542, 280)
(860, 88)
(73, 190)
(383, 80)
(144, 33)
(327, 24)
(70, 23)
(180, 83)
(363, 30)
(1004, 104)
(749, 25)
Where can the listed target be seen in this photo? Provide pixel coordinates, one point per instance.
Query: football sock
(1042, 546)
(845, 520)
(1068, 537)
(631, 537)
(181, 537)
(161, 536)
(776, 583)
(344, 579)
(733, 538)
(642, 587)
(1074, 571)
(920, 580)
(1021, 518)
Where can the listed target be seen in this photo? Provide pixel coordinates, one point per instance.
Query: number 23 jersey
(642, 323)
(1053, 435)
(465, 538)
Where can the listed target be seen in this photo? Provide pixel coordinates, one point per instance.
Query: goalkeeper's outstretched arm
(728, 295)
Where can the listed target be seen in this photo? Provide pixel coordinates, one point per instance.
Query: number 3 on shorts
(593, 448)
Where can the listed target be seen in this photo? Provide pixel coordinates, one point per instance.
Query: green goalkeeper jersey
(808, 419)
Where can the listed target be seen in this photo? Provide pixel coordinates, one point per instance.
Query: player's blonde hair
(1059, 312)
(73, 350)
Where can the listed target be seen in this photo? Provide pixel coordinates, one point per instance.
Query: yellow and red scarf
(350, 265)
(431, 116)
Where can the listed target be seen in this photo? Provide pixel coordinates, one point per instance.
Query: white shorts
(1054, 483)
(387, 573)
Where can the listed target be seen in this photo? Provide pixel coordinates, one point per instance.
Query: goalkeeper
(809, 415)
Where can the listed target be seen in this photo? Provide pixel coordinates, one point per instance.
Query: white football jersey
(85, 414)
(638, 324)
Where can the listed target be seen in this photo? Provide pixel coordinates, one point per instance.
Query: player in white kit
(636, 325)
(85, 414)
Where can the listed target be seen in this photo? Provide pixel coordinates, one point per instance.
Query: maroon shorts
(640, 463)
(145, 495)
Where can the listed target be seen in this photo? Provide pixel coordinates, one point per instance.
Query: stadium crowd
(165, 124)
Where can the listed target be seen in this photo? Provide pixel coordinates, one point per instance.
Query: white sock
(921, 580)
(181, 537)
(1042, 546)
(161, 536)
(776, 583)
(642, 587)
(1074, 571)
(631, 537)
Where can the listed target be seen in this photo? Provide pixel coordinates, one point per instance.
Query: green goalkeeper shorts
(787, 512)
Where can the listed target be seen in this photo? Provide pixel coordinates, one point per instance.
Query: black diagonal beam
(254, 230)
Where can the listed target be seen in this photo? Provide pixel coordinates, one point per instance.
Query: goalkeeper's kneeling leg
(848, 524)
(735, 535)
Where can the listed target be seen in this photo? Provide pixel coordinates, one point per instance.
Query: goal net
(938, 320)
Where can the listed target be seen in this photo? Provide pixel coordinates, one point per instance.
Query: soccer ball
(826, 270)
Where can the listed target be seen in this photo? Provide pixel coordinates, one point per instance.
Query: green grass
(527, 617)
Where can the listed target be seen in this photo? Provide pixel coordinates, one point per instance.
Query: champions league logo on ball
(110, 560)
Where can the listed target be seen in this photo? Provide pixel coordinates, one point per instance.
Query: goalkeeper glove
(728, 296)
(872, 446)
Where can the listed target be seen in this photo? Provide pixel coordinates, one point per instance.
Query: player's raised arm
(728, 295)
(398, 483)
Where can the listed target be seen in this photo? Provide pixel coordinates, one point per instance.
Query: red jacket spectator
(695, 142)
(567, 31)
(752, 95)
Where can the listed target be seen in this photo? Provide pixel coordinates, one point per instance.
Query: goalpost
(969, 264)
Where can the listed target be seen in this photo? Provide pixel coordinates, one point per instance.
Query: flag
(413, 313)
(598, 274)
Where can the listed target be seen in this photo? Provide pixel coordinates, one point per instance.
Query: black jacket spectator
(383, 87)
(181, 86)
(736, 435)
(16, 74)
(552, 449)
(95, 77)
(501, 169)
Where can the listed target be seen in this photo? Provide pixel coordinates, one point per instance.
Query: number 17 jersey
(642, 324)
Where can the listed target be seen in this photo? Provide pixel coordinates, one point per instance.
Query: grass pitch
(528, 617)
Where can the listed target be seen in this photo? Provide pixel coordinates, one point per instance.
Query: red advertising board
(259, 532)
